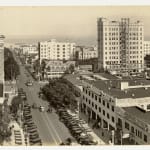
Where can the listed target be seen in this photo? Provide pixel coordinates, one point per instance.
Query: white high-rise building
(2, 68)
(120, 45)
(53, 50)
(146, 48)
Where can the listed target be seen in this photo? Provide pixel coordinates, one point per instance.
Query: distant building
(84, 53)
(120, 45)
(2, 37)
(29, 49)
(54, 50)
(85, 67)
(146, 48)
(55, 69)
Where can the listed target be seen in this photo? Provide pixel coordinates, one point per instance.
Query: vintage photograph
(74, 75)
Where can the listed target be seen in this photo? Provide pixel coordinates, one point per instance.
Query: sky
(64, 23)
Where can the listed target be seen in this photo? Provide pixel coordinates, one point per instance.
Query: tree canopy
(58, 92)
(11, 67)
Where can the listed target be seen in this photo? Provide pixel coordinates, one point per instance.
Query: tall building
(1, 69)
(146, 48)
(53, 50)
(120, 45)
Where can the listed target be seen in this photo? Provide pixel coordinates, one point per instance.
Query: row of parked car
(75, 127)
(28, 124)
(30, 127)
(22, 94)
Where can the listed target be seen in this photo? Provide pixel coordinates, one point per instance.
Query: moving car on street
(29, 83)
(42, 109)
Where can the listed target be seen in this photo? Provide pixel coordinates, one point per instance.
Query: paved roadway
(51, 130)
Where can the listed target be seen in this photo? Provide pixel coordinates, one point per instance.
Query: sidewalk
(17, 138)
(103, 134)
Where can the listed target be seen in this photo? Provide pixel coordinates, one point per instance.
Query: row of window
(112, 57)
(112, 48)
(130, 29)
(105, 104)
(103, 112)
(135, 57)
(112, 53)
(137, 132)
(117, 62)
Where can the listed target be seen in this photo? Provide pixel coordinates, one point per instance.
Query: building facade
(120, 45)
(56, 69)
(2, 68)
(29, 49)
(119, 106)
(84, 53)
(54, 50)
(146, 48)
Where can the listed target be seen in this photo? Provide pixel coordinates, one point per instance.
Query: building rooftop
(109, 84)
(111, 87)
(138, 113)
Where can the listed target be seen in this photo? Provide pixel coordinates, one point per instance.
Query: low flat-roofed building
(118, 104)
(135, 123)
(101, 98)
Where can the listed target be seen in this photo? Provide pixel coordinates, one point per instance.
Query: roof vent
(133, 95)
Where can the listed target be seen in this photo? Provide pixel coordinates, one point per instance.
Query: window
(126, 125)
(89, 93)
(100, 99)
(92, 104)
(95, 97)
(140, 134)
(136, 132)
(112, 108)
(108, 105)
(132, 129)
(89, 102)
(107, 115)
(145, 138)
(92, 95)
(112, 118)
(83, 89)
(86, 91)
(86, 99)
(99, 109)
(104, 112)
(95, 106)
(104, 103)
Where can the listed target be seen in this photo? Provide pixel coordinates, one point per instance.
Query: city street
(51, 130)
